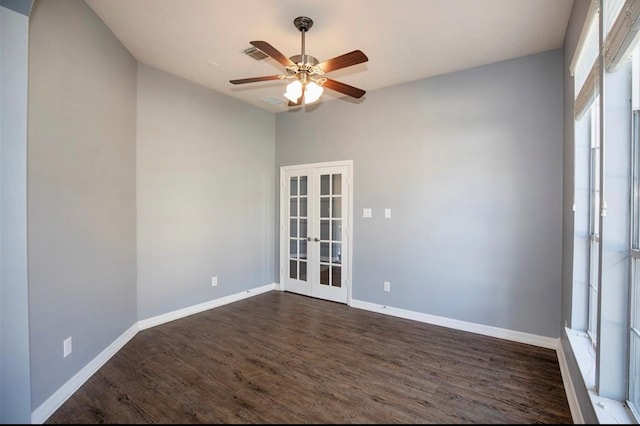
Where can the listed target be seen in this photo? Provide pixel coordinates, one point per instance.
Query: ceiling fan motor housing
(303, 23)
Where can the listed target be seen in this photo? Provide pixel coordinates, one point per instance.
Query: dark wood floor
(284, 358)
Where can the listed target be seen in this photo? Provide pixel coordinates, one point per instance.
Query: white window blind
(584, 66)
(588, 92)
(588, 53)
(623, 36)
(635, 82)
(612, 8)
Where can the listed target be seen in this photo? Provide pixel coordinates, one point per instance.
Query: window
(634, 257)
(606, 287)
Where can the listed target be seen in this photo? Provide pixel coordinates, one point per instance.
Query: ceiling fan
(306, 71)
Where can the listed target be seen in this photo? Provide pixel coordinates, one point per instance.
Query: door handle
(316, 239)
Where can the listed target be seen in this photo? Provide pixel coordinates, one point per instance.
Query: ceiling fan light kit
(306, 71)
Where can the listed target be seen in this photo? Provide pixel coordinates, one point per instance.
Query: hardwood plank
(284, 358)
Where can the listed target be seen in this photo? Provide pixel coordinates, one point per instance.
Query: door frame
(284, 200)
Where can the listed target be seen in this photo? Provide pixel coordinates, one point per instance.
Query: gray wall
(205, 203)
(470, 164)
(574, 27)
(81, 190)
(205, 191)
(15, 390)
(23, 7)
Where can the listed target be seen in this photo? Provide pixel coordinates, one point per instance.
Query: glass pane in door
(336, 206)
(303, 185)
(324, 185)
(293, 269)
(336, 230)
(303, 228)
(336, 276)
(324, 274)
(303, 271)
(303, 249)
(336, 184)
(331, 229)
(324, 230)
(298, 227)
(303, 207)
(324, 207)
(336, 253)
(324, 252)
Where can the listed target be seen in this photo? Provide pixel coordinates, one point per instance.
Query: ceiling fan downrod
(303, 24)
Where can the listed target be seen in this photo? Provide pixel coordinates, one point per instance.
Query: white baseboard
(47, 408)
(516, 336)
(201, 307)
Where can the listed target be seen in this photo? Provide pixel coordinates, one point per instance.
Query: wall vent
(255, 53)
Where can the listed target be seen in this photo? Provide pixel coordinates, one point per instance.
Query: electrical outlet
(66, 347)
(387, 286)
(214, 281)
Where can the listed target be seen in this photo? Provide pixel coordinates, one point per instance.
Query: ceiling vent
(273, 100)
(255, 53)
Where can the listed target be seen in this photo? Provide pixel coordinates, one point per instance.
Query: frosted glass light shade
(294, 91)
(312, 93)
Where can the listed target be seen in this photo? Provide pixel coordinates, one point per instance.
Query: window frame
(594, 222)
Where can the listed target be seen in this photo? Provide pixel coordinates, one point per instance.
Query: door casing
(284, 238)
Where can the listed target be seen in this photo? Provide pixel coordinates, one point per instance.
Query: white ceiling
(405, 40)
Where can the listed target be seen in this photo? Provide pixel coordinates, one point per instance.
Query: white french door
(315, 232)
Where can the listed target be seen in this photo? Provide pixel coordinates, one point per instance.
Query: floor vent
(255, 53)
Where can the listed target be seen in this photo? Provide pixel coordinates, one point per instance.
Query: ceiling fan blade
(255, 79)
(343, 88)
(273, 52)
(343, 61)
